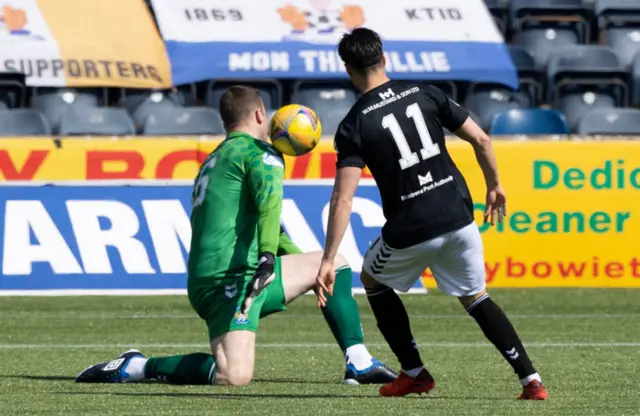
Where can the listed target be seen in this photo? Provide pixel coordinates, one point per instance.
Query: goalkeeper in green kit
(242, 266)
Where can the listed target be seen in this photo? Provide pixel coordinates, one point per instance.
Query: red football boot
(535, 390)
(406, 384)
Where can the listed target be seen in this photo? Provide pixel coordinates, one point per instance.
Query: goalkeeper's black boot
(377, 373)
(113, 371)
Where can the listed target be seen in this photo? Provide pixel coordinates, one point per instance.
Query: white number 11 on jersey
(429, 148)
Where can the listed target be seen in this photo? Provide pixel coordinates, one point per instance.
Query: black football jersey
(396, 130)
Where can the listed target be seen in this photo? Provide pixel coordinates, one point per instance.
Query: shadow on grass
(69, 378)
(292, 381)
(40, 378)
(238, 396)
(244, 396)
(224, 396)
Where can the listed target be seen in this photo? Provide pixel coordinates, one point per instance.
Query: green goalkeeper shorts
(218, 302)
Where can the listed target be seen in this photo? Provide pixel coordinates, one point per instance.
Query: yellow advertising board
(573, 206)
(573, 214)
(148, 158)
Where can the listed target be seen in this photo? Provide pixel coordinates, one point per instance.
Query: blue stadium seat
(559, 14)
(79, 121)
(576, 105)
(3, 106)
(23, 122)
(531, 80)
(625, 41)
(487, 103)
(613, 121)
(541, 43)
(330, 101)
(586, 65)
(185, 121)
(270, 92)
(617, 13)
(529, 121)
(54, 105)
(635, 82)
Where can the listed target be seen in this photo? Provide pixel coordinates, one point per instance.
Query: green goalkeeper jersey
(236, 205)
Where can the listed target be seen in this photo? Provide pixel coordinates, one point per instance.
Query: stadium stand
(571, 15)
(80, 121)
(448, 87)
(611, 121)
(635, 77)
(142, 105)
(574, 56)
(486, 104)
(23, 122)
(132, 99)
(331, 101)
(576, 105)
(625, 42)
(12, 90)
(617, 13)
(500, 11)
(585, 66)
(101, 94)
(55, 104)
(185, 121)
(270, 92)
(531, 79)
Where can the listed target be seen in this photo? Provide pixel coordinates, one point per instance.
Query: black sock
(498, 329)
(393, 323)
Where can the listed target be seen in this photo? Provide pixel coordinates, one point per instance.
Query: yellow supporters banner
(83, 43)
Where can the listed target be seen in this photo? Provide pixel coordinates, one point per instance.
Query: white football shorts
(456, 260)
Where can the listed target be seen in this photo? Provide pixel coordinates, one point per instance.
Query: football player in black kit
(396, 129)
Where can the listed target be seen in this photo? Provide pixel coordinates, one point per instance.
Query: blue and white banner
(118, 239)
(423, 39)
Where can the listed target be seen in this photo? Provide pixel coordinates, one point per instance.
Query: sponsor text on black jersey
(396, 130)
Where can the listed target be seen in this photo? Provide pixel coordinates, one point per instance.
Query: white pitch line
(321, 345)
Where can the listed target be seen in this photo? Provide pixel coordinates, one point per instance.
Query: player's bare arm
(344, 188)
(496, 199)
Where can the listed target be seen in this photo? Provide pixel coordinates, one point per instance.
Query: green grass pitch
(584, 342)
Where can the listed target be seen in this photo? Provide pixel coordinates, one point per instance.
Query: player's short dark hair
(237, 104)
(361, 49)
